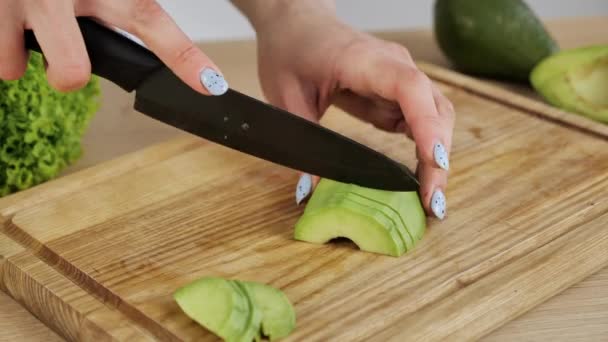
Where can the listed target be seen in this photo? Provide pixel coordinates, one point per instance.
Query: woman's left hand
(309, 60)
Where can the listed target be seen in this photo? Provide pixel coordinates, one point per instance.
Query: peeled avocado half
(237, 311)
(575, 80)
(377, 221)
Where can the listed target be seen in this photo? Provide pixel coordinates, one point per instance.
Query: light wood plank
(68, 309)
(134, 238)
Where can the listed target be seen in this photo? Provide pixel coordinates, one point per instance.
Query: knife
(234, 119)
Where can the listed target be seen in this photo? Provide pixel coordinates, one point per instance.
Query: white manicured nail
(438, 205)
(303, 188)
(441, 156)
(213, 81)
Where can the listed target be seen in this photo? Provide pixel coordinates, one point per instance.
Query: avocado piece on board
(216, 304)
(278, 315)
(237, 311)
(575, 80)
(251, 329)
(365, 216)
(500, 39)
(388, 203)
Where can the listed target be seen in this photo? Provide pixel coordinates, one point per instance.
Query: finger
(298, 100)
(432, 192)
(55, 27)
(382, 114)
(13, 56)
(147, 20)
(399, 80)
(446, 110)
(413, 91)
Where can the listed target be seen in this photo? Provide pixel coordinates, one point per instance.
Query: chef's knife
(234, 119)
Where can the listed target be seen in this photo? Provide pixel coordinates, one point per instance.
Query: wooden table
(579, 313)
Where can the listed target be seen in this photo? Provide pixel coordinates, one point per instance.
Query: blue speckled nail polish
(213, 82)
(441, 156)
(303, 188)
(438, 204)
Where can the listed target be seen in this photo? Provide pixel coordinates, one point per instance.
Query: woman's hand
(309, 60)
(56, 29)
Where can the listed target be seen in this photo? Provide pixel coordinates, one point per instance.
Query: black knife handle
(113, 56)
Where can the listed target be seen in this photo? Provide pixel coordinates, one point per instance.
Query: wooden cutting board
(97, 255)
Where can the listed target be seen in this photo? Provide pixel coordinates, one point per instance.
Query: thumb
(299, 100)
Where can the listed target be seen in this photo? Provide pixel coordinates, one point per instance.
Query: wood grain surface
(522, 228)
(579, 313)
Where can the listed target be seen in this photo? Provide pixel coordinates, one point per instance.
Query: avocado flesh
(404, 208)
(216, 304)
(237, 311)
(278, 315)
(251, 329)
(576, 80)
(382, 213)
(406, 205)
(361, 215)
(337, 222)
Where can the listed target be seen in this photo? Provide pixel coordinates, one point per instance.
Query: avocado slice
(360, 205)
(575, 80)
(216, 304)
(251, 329)
(237, 311)
(381, 209)
(278, 315)
(377, 201)
(365, 216)
(500, 39)
(406, 205)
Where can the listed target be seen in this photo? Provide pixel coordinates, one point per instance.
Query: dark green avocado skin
(501, 39)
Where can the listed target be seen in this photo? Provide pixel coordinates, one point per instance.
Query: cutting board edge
(82, 322)
(512, 99)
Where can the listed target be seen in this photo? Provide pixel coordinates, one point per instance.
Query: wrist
(265, 13)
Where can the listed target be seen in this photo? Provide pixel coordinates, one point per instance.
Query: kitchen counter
(578, 314)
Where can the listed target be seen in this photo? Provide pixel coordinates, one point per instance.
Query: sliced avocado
(365, 216)
(501, 39)
(357, 204)
(407, 205)
(278, 315)
(335, 222)
(251, 330)
(575, 80)
(217, 305)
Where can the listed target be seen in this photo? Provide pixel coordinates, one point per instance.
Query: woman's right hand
(56, 29)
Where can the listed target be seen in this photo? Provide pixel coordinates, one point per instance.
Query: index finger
(147, 20)
(432, 131)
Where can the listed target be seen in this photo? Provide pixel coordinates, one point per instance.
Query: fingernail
(438, 205)
(303, 188)
(441, 156)
(214, 82)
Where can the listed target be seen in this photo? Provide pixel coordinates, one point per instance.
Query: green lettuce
(41, 129)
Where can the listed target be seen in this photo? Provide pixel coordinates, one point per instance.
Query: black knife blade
(234, 119)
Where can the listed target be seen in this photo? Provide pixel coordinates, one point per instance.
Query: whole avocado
(500, 39)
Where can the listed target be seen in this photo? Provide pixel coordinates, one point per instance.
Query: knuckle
(145, 12)
(72, 76)
(413, 78)
(449, 106)
(11, 71)
(421, 78)
(400, 50)
(185, 54)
